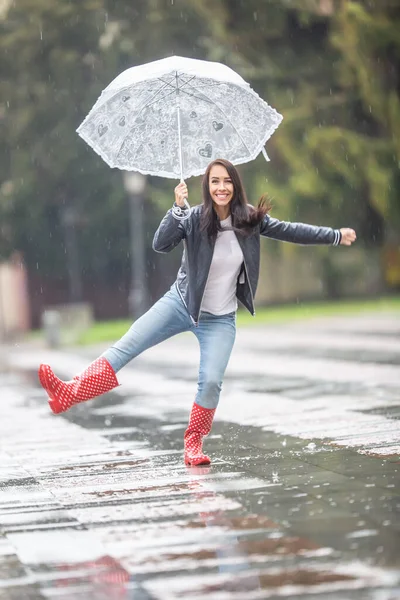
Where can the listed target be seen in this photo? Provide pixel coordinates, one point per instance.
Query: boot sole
(194, 463)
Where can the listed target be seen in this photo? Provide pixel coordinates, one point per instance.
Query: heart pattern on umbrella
(217, 125)
(134, 124)
(102, 129)
(206, 151)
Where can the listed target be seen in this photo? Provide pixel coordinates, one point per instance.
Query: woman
(220, 264)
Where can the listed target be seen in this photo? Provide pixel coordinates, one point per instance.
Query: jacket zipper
(179, 292)
(185, 305)
(248, 281)
(201, 301)
(204, 291)
(247, 275)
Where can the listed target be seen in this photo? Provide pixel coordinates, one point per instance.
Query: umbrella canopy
(171, 117)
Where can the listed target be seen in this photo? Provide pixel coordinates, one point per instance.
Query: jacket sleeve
(299, 233)
(169, 233)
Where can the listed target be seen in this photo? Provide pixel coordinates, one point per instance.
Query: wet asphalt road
(301, 501)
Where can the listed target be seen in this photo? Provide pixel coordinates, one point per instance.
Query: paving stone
(301, 500)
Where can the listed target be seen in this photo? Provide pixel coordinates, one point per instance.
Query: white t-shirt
(220, 293)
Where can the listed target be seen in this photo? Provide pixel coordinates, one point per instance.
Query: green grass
(308, 310)
(105, 331)
(109, 331)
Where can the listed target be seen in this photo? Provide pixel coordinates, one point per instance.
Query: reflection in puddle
(104, 577)
(86, 519)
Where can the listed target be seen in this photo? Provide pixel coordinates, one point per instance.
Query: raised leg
(166, 318)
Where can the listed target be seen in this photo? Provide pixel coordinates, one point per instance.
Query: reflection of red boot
(97, 379)
(110, 571)
(105, 573)
(200, 423)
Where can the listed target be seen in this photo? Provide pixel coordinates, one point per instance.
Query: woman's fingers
(348, 236)
(181, 193)
(181, 188)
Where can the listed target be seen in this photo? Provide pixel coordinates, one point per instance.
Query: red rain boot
(97, 379)
(200, 423)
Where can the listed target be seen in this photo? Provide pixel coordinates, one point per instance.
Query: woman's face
(221, 186)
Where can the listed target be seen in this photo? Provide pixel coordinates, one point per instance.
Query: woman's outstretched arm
(302, 233)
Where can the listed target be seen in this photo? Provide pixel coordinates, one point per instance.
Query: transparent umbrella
(171, 117)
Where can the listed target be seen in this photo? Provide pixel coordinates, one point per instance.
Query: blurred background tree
(330, 67)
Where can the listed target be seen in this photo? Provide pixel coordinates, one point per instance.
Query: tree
(332, 69)
(55, 60)
(330, 66)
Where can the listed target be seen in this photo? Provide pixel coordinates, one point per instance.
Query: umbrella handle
(182, 180)
(185, 200)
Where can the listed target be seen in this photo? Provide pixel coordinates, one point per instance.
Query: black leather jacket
(198, 252)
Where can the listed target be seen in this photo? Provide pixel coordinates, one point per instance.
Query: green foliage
(109, 331)
(330, 67)
(367, 39)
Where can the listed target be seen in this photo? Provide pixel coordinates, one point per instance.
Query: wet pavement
(301, 501)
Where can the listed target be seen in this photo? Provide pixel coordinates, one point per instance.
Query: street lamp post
(69, 218)
(135, 184)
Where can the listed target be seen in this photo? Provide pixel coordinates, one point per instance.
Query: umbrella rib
(195, 96)
(205, 98)
(152, 100)
(174, 86)
(167, 84)
(206, 85)
(180, 88)
(183, 83)
(138, 113)
(230, 122)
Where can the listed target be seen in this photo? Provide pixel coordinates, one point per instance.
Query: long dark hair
(245, 218)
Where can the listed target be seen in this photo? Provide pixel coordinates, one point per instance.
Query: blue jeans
(168, 317)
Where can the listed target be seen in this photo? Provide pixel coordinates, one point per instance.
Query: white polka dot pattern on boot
(200, 424)
(97, 379)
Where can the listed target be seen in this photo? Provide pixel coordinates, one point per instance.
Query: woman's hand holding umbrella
(181, 194)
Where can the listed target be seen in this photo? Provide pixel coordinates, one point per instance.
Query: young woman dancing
(220, 265)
